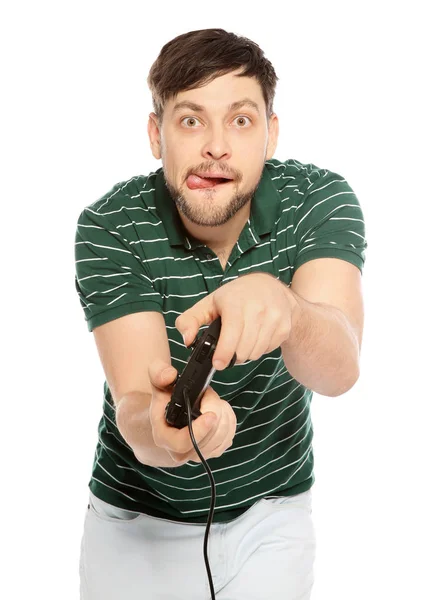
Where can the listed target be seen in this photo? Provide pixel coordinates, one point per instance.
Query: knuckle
(275, 315)
(260, 313)
(283, 331)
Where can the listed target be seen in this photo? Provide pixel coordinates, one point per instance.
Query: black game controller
(195, 377)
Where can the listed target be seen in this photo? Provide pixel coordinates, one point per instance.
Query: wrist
(294, 300)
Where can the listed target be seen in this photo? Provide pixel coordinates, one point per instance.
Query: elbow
(347, 383)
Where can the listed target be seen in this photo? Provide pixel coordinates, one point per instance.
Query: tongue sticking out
(195, 182)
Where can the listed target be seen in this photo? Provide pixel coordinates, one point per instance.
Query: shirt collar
(264, 210)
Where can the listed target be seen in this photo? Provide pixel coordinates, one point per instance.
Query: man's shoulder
(302, 184)
(292, 172)
(128, 193)
(126, 202)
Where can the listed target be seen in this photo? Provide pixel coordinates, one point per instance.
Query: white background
(358, 93)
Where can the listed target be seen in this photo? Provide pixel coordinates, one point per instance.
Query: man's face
(235, 142)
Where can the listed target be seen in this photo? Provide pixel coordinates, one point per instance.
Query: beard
(204, 212)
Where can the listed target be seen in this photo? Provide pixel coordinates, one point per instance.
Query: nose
(216, 146)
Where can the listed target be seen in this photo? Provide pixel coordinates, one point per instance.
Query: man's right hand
(213, 431)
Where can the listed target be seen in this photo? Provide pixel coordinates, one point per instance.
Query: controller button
(203, 354)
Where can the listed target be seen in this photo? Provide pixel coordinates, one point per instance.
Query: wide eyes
(242, 121)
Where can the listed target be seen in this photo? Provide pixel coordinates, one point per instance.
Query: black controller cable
(213, 491)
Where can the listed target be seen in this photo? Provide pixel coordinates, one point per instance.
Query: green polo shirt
(132, 254)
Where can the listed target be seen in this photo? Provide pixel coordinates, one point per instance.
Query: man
(274, 248)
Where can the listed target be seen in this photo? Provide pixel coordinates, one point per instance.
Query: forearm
(133, 422)
(322, 351)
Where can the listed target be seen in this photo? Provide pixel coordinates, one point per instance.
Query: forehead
(227, 92)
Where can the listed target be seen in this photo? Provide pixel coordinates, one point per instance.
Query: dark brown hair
(194, 59)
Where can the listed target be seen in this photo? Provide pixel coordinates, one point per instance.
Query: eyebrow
(234, 106)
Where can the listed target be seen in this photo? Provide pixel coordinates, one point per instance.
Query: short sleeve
(330, 223)
(111, 279)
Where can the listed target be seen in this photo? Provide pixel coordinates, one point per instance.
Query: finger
(161, 374)
(231, 332)
(264, 341)
(206, 406)
(203, 430)
(190, 321)
(251, 334)
(209, 446)
(169, 437)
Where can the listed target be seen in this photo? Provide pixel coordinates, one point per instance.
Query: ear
(154, 135)
(273, 134)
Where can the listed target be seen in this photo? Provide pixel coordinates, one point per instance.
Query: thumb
(162, 374)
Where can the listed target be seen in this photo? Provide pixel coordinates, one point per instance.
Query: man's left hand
(256, 310)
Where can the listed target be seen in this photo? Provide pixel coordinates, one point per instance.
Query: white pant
(266, 553)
